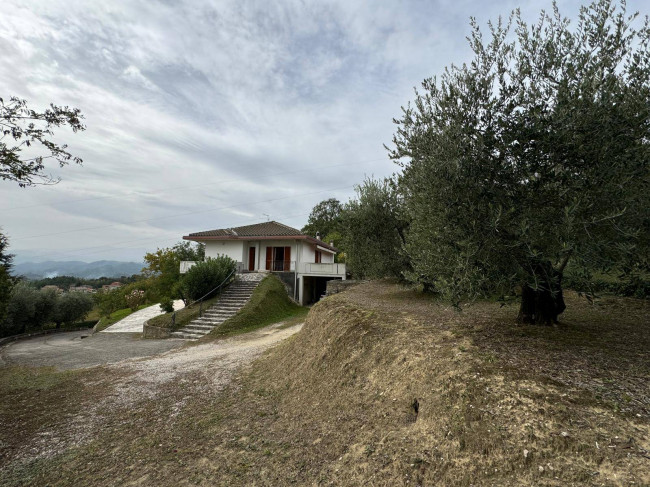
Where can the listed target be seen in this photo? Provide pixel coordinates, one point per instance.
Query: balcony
(310, 268)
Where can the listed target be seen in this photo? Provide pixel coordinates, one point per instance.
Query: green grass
(116, 316)
(268, 304)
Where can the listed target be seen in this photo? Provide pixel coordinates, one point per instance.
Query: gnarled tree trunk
(543, 304)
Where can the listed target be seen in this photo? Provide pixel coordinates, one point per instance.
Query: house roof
(264, 230)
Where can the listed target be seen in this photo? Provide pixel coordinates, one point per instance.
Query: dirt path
(93, 401)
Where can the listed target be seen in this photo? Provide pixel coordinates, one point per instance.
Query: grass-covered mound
(384, 386)
(268, 304)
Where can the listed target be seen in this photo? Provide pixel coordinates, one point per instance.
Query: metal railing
(281, 265)
(202, 298)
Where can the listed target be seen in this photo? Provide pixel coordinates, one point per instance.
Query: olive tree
(532, 155)
(372, 231)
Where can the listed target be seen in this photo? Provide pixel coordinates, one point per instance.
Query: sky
(213, 114)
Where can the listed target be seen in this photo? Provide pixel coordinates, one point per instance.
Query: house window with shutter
(278, 259)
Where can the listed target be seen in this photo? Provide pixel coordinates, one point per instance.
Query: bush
(134, 299)
(202, 278)
(167, 305)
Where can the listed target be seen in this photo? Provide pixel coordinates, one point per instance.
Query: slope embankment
(385, 386)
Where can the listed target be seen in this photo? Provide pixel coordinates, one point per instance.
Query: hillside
(382, 386)
(86, 270)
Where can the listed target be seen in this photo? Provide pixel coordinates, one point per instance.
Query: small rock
(564, 433)
(541, 469)
(526, 452)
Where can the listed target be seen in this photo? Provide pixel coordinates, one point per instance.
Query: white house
(304, 263)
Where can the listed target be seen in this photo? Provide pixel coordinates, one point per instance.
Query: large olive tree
(533, 154)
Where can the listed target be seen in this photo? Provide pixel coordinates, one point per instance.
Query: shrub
(167, 305)
(134, 299)
(202, 278)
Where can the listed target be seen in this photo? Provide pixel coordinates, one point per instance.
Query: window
(278, 259)
(319, 257)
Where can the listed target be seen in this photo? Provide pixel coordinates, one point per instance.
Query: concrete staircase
(232, 300)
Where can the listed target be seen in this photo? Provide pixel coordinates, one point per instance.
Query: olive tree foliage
(533, 154)
(372, 231)
(71, 307)
(25, 132)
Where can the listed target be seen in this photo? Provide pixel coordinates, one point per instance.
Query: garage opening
(314, 288)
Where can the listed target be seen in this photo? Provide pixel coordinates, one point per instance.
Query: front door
(251, 259)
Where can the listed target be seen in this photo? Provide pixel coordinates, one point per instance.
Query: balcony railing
(330, 269)
(281, 265)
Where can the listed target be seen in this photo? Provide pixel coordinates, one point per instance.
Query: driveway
(79, 349)
(135, 321)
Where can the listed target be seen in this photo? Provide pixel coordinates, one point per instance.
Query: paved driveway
(71, 351)
(134, 322)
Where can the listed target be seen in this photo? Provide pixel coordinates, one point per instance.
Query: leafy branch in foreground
(22, 128)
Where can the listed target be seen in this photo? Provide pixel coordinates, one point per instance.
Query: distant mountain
(87, 270)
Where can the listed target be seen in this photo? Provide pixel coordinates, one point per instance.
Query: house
(81, 289)
(304, 263)
(111, 287)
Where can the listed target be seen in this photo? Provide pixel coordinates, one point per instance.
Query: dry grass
(499, 404)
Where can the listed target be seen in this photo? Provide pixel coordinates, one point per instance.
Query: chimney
(331, 244)
(317, 235)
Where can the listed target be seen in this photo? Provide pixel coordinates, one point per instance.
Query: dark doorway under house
(314, 288)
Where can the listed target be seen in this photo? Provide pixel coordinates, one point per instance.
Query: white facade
(301, 261)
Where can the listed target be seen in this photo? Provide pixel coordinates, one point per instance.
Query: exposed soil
(383, 386)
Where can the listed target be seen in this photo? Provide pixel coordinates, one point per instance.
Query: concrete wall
(233, 249)
(308, 254)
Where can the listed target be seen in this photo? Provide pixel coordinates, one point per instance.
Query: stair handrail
(200, 300)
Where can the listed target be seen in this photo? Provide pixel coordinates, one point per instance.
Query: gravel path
(77, 350)
(125, 391)
(135, 321)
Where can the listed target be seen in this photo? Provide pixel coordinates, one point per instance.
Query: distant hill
(86, 270)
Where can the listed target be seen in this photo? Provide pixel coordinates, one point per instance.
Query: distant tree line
(66, 282)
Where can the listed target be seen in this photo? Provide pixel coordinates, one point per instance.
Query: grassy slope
(268, 304)
(499, 404)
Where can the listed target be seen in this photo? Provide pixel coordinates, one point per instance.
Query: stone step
(185, 335)
(199, 327)
(211, 323)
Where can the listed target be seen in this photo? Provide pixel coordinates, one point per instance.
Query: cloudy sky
(210, 114)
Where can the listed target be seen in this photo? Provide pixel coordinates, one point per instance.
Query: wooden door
(251, 259)
(287, 258)
(269, 257)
